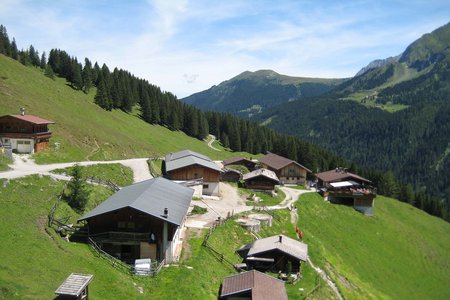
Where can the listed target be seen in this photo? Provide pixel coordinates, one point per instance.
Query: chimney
(22, 111)
(166, 212)
(280, 238)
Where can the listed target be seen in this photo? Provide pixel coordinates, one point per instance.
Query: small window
(206, 186)
(130, 225)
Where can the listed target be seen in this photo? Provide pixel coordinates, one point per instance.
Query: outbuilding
(261, 179)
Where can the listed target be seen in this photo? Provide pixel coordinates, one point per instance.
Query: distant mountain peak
(377, 63)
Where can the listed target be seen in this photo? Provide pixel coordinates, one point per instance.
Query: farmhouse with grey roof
(188, 165)
(142, 220)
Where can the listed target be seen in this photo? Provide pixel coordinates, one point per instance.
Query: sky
(187, 46)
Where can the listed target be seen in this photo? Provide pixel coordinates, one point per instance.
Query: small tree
(77, 194)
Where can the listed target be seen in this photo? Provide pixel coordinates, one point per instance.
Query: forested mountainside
(395, 117)
(121, 90)
(254, 92)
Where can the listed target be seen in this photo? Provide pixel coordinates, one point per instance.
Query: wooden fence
(218, 255)
(114, 187)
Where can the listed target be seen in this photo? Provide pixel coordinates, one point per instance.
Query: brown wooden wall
(141, 223)
(292, 170)
(260, 183)
(195, 172)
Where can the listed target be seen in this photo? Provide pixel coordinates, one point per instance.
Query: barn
(143, 220)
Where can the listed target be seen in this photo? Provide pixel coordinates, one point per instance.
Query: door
(23, 146)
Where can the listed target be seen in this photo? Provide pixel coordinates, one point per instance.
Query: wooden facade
(195, 172)
(261, 183)
(291, 174)
(288, 171)
(129, 234)
(24, 134)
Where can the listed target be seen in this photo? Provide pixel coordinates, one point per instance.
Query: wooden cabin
(274, 254)
(342, 187)
(187, 165)
(252, 285)
(261, 179)
(142, 220)
(24, 133)
(240, 161)
(288, 171)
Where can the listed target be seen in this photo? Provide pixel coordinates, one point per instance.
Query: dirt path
(24, 165)
(327, 279)
(211, 139)
(230, 202)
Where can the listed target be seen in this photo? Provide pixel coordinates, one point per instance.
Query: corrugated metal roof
(339, 175)
(151, 197)
(278, 162)
(261, 172)
(187, 158)
(74, 284)
(287, 245)
(262, 286)
(33, 119)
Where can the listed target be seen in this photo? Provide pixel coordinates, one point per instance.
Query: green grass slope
(399, 253)
(84, 130)
(35, 261)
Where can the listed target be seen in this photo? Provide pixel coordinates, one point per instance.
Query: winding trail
(211, 139)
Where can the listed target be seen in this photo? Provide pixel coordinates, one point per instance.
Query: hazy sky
(187, 46)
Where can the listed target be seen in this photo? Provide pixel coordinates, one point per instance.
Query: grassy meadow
(399, 253)
(83, 130)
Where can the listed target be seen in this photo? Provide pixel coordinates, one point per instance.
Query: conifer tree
(77, 193)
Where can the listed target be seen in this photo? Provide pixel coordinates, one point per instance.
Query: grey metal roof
(261, 172)
(74, 284)
(186, 158)
(150, 197)
(287, 245)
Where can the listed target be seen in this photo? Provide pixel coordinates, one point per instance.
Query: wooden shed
(261, 179)
(274, 253)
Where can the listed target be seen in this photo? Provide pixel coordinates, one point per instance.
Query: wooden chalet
(187, 165)
(142, 220)
(24, 133)
(274, 254)
(343, 187)
(252, 285)
(287, 170)
(261, 179)
(240, 161)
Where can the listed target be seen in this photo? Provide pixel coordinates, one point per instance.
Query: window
(206, 186)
